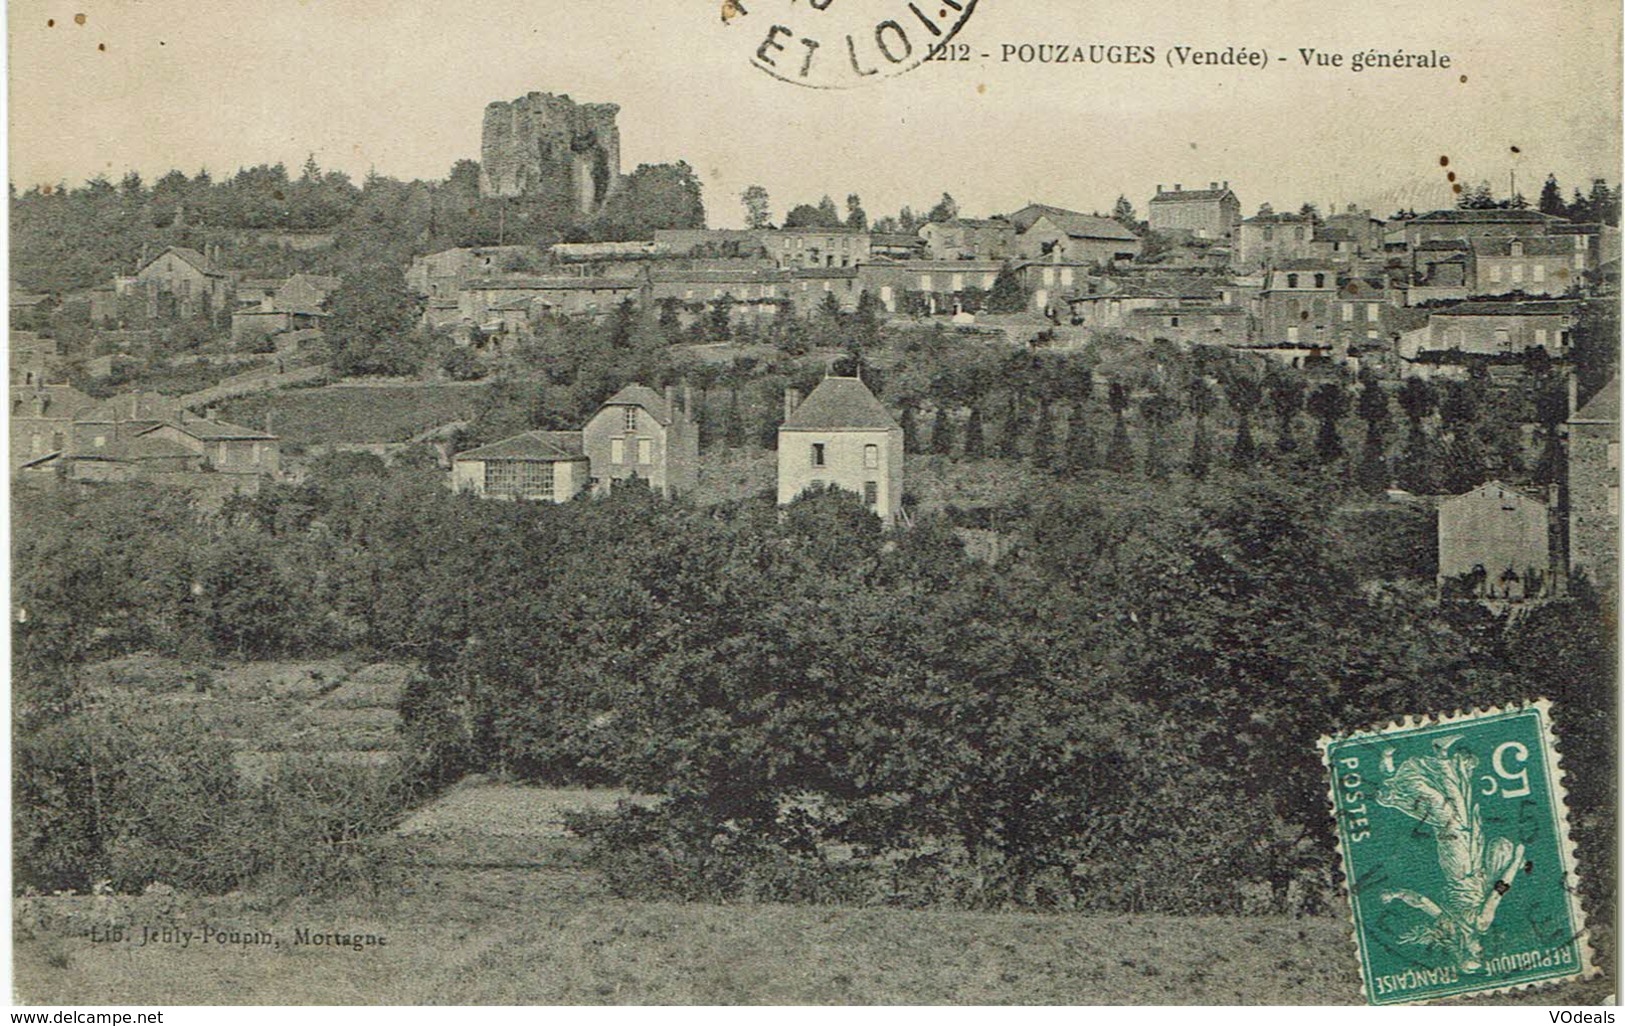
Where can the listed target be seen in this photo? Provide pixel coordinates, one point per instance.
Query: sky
(400, 87)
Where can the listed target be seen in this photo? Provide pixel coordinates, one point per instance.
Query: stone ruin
(541, 144)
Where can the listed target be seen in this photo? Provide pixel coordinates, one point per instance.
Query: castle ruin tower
(542, 145)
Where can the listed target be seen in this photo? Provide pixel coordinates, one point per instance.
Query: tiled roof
(562, 284)
(840, 404)
(977, 222)
(1483, 217)
(1497, 490)
(191, 256)
(207, 430)
(1075, 224)
(1501, 245)
(1510, 308)
(1285, 217)
(544, 446)
(644, 396)
(60, 400)
(1449, 245)
(1602, 408)
(138, 406)
(1303, 264)
(1180, 195)
(744, 275)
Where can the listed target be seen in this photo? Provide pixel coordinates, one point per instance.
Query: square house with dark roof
(841, 435)
(540, 466)
(640, 433)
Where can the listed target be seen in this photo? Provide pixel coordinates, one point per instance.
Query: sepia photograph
(844, 502)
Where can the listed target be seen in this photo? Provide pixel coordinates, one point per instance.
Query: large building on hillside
(1210, 213)
(841, 435)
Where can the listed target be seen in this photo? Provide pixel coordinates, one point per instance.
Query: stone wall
(541, 144)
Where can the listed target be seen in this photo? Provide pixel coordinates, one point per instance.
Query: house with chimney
(639, 433)
(1210, 213)
(42, 419)
(1267, 239)
(179, 282)
(841, 435)
(966, 238)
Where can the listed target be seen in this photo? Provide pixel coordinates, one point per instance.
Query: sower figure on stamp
(1438, 790)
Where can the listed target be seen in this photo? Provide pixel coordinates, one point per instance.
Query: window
(1540, 336)
(1291, 281)
(1297, 234)
(1292, 333)
(925, 283)
(1348, 311)
(101, 440)
(1320, 281)
(1373, 311)
(629, 417)
(1269, 234)
(1173, 322)
(646, 451)
(818, 454)
(1495, 272)
(617, 451)
(871, 493)
(1539, 271)
(1503, 338)
(522, 479)
(871, 456)
(1517, 272)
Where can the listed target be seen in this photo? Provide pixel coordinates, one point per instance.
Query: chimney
(688, 400)
(671, 401)
(1159, 188)
(1213, 186)
(792, 399)
(1177, 187)
(1227, 183)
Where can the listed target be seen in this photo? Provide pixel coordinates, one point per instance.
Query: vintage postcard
(813, 502)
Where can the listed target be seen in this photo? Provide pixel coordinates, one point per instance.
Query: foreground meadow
(496, 908)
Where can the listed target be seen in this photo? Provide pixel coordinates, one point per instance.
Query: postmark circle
(839, 44)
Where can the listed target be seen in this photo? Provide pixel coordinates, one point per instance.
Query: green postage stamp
(1455, 847)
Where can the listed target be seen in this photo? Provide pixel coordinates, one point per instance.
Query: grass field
(350, 414)
(500, 911)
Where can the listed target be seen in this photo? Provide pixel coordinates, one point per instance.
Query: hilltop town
(127, 379)
(928, 559)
